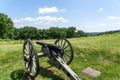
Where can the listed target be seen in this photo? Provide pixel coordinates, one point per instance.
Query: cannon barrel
(53, 47)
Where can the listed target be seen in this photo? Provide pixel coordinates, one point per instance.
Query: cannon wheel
(68, 52)
(30, 58)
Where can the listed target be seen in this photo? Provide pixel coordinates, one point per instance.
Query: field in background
(99, 52)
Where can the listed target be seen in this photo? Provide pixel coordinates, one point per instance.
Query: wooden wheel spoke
(26, 57)
(66, 47)
(67, 54)
(64, 44)
(34, 67)
(61, 43)
(25, 50)
(66, 58)
(28, 66)
(67, 51)
(58, 42)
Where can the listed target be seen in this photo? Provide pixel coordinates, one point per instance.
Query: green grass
(99, 52)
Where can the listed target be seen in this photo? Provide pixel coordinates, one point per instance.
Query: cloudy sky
(86, 15)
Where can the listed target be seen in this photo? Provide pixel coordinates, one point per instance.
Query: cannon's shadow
(49, 73)
(44, 72)
(19, 75)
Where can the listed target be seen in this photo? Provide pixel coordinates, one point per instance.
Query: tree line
(51, 33)
(108, 32)
(8, 31)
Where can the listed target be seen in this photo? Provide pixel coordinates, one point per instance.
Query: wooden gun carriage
(61, 52)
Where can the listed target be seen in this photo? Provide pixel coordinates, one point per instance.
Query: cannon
(61, 52)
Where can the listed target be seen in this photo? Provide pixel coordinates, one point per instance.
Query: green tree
(45, 34)
(39, 34)
(62, 32)
(17, 34)
(51, 33)
(54, 32)
(71, 32)
(6, 27)
(28, 32)
(80, 33)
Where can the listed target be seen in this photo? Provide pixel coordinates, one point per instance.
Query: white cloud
(100, 10)
(62, 19)
(100, 27)
(23, 19)
(113, 17)
(47, 10)
(41, 20)
(28, 19)
(16, 21)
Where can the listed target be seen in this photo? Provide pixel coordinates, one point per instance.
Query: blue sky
(86, 15)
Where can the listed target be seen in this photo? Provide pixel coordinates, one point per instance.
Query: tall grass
(99, 52)
(10, 58)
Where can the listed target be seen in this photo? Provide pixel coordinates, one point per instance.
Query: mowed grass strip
(98, 52)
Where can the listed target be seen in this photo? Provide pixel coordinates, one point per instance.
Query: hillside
(99, 52)
(102, 33)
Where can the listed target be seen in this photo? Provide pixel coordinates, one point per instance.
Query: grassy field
(98, 52)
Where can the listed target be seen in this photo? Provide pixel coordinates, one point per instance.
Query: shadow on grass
(19, 75)
(45, 72)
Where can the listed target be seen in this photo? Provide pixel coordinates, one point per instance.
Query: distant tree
(54, 32)
(62, 32)
(17, 34)
(28, 32)
(39, 34)
(108, 32)
(51, 33)
(6, 27)
(80, 33)
(71, 32)
(46, 34)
